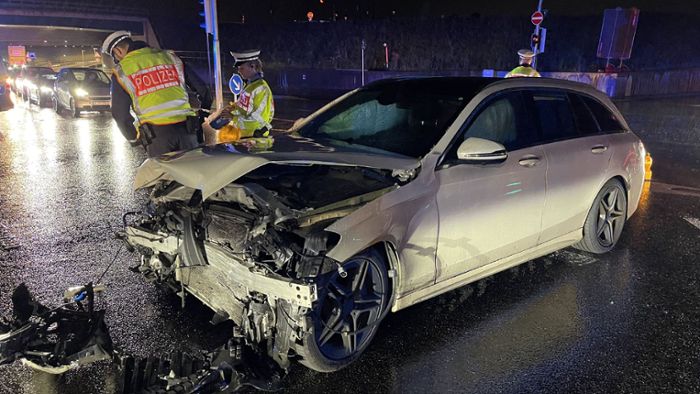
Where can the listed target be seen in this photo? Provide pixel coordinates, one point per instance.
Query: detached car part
(59, 339)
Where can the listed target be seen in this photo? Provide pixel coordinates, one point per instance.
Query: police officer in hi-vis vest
(150, 84)
(252, 113)
(525, 68)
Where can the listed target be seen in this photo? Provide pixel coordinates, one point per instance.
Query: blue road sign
(235, 84)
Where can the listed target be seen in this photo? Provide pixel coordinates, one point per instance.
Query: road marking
(675, 189)
(694, 221)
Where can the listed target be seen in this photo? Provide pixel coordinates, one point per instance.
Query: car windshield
(407, 117)
(38, 72)
(91, 76)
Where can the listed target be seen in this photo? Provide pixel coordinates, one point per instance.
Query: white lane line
(694, 221)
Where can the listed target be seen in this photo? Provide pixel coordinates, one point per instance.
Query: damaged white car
(390, 195)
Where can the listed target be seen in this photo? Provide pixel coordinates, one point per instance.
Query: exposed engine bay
(255, 250)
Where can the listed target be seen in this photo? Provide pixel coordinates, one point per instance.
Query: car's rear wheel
(605, 220)
(347, 314)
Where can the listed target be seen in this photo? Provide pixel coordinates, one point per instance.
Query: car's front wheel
(352, 302)
(605, 220)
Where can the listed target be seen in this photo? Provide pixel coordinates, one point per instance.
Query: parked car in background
(38, 85)
(5, 87)
(81, 89)
(390, 195)
(27, 74)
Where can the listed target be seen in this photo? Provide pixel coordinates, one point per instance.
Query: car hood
(211, 168)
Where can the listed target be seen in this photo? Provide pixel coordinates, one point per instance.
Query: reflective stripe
(130, 88)
(165, 115)
(168, 105)
(257, 114)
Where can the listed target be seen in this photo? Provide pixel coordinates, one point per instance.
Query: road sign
(235, 84)
(536, 18)
(18, 54)
(31, 55)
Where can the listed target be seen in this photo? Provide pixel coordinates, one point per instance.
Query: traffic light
(534, 40)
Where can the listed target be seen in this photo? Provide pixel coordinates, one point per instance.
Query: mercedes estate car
(390, 195)
(81, 89)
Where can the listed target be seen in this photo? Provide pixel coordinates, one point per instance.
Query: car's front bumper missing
(226, 275)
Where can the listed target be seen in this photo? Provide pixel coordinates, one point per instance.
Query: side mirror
(481, 150)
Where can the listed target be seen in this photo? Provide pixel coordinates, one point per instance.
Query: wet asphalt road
(628, 321)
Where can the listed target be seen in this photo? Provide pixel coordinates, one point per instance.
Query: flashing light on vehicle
(81, 92)
(46, 89)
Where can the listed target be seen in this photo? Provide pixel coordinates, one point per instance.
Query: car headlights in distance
(81, 92)
(46, 89)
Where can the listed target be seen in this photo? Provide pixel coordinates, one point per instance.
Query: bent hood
(211, 168)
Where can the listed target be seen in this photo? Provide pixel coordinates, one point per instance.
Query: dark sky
(231, 10)
(287, 10)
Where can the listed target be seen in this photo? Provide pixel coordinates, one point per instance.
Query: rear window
(607, 121)
(585, 122)
(555, 116)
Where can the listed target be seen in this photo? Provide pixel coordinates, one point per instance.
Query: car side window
(502, 119)
(607, 121)
(555, 116)
(585, 122)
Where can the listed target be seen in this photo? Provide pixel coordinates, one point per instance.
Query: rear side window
(607, 121)
(585, 123)
(505, 120)
(555, 116)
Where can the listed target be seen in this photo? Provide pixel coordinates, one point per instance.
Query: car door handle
(599, 149)
(529, 161)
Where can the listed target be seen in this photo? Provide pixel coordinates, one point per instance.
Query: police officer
(252, 113)
(150, 84)
(525, 68)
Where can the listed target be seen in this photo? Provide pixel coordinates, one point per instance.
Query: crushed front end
(254, 250)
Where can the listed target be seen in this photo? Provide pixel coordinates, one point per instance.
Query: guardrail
(113, 7)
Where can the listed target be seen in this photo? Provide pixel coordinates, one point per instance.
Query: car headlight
(46, 89)
(81, 92)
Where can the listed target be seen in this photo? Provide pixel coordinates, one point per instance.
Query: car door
(578, 155)
(491, 211)
(62, 86)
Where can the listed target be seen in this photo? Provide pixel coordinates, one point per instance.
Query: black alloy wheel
(605, 220)
(352, 303)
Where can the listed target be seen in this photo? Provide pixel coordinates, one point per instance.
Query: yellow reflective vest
(254, 108)
(523, 71)
(155, 81)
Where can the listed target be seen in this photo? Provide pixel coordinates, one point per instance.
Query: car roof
(476, 84)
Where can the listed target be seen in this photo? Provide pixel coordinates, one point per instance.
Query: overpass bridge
(58, 29)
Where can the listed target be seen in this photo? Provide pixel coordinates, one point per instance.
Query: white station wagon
(392, 194)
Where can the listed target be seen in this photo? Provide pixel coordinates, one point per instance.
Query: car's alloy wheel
(606, 219)
(54, 103)
(351, 304)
